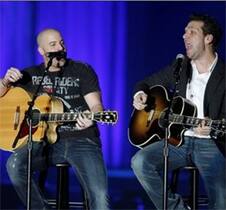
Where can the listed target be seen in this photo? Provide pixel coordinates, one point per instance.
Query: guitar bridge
(150, 116)
(16, 118)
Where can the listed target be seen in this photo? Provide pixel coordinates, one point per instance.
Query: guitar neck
(102, 116)
(191, 121)
(63, 117)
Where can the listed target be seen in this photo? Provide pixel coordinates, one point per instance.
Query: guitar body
(144, 128)
(14, 129)
(147, 126)
(47, 114)
(54, 106)
(12, 112)
(180, 107)
(13, 106)
(44, 104)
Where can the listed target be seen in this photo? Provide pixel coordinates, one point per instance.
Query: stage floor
(125, 192)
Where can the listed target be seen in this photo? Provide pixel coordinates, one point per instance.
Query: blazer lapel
(217, 76)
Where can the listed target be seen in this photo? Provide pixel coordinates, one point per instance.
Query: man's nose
(60, 47)
(186, 35)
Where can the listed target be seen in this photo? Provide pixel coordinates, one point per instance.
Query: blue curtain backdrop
(123, 41)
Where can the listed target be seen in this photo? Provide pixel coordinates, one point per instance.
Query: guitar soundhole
(150, 104)
(47, 109)
(163, 121)
(35, 117)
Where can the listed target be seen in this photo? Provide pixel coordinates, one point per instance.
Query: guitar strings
(174, 117)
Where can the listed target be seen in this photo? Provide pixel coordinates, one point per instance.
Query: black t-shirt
(70, 85)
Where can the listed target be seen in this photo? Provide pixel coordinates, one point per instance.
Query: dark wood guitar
(148, 126)
(47, 114)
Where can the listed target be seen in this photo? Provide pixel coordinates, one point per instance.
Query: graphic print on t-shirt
(59, 85)
(64, 88)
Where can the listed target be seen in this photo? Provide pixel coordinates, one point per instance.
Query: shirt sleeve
(163, 77)
(25, 81)
(90, 82)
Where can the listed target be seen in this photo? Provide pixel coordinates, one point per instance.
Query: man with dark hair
(210, 26)
(202, 81)
(77, 85)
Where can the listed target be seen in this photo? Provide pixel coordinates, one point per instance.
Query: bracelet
(4, 83)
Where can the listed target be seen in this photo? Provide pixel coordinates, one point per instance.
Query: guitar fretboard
(191, 121)
(103, 116)
(59, 117)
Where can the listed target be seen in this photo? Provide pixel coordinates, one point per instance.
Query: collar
(211, 67)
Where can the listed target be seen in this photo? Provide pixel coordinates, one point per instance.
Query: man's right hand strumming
(12, 75)
(139, 100)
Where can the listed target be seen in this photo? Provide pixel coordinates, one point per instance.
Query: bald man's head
(45, 34)
(50, 40)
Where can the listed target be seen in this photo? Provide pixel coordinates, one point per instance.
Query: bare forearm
(3, 87)
(96, 108)
(12, 75)
(94, 101)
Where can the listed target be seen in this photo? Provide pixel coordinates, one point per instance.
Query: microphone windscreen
(180, 56)
(58, 55)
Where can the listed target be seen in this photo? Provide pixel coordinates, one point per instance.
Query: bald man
(49, 40)
(76, 85)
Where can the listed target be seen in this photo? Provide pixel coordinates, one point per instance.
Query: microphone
(58, 55)
(178, 64)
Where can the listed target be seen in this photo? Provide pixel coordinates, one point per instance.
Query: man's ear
(41, 51)
(209, 38)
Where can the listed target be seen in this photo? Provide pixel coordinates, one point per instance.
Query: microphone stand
(166, 146)
(28, 117)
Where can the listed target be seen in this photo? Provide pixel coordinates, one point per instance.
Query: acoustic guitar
(148, 126)
(47, 114)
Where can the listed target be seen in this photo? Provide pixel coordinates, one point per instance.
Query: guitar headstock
(106, 117)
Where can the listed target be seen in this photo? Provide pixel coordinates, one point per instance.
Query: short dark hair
(210, 26)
